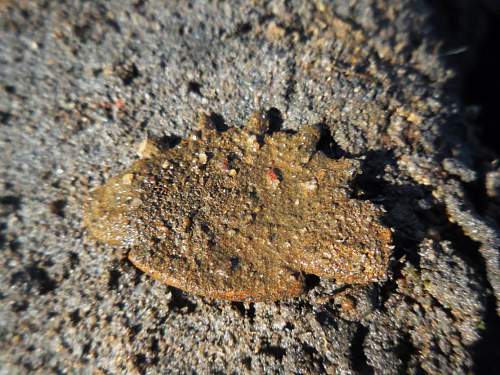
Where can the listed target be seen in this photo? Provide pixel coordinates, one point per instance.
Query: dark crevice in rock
(135, 329)
(75, 317)
(169, 141)
(14, 245)
(469, 30)
(12, 202)
(275, 351)
(86, 349)
(482, 82)
(251, 312)
(487, 351)
(314, 356)
(326, 317)
(126, 263)
(83, 32)
(243, 28)
(218, 122)
(3, 237)
(5, 117)
(74, 259)
(358, 357)
(115, 26)
(476, 193)
(58, 207)
(34, 276)
(311, 281)
(20, 306)
(327, 144)
(467, 249)
(179, 301)
(246, 312)
(10, 89)
(247, 362)
(42, 279)
(140, 362)
(127, 73)
(140, 7)
(194, 87)
(240, 307)
(114, 279)
(326, 141)
(405, 350)
(275, 119)
(155, 349)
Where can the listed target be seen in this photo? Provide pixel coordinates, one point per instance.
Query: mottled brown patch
(242, 215)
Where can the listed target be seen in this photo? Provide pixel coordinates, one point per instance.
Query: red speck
(272, 175)
(224, 164)
(119, 103)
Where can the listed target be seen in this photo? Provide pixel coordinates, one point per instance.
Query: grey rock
(83, 83)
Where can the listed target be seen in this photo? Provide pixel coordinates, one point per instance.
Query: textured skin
(241, 215)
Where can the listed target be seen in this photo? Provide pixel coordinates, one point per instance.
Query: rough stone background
(407, 86)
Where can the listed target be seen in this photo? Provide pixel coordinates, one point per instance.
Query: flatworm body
(242, 214)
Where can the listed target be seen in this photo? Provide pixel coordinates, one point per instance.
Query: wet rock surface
(83, 83)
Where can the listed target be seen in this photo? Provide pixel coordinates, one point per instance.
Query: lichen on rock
(242, 214)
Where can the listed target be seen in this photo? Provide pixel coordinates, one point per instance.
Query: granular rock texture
(242, 215)
(83, 83)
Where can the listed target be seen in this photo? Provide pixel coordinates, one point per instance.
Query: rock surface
(83, 83)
